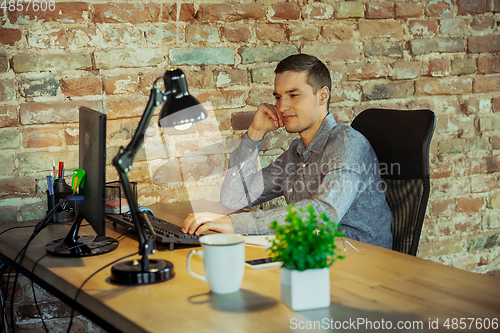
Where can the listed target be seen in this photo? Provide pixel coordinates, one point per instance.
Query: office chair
(401, 140)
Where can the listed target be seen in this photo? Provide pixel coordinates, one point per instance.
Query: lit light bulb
(183, 127)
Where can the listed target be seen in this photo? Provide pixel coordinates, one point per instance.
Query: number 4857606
(21, 5)
(471, 323)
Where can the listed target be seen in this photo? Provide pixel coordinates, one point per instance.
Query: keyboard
(165, 232)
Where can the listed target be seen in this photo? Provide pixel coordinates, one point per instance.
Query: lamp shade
(180, 107)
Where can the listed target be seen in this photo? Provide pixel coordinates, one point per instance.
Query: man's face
(297, 103)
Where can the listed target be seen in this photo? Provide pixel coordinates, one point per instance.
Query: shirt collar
(318, 143)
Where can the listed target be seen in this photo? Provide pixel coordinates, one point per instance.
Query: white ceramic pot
(303, 290)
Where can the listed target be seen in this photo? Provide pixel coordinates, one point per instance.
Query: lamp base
(130, 272)
(83, 246)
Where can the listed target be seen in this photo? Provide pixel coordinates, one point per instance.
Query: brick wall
(439, 54)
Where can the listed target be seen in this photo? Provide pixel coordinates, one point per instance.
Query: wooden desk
(374, 284)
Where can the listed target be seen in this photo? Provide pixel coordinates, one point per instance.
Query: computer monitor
(92, 159)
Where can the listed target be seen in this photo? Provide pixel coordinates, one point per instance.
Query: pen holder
(67, 212)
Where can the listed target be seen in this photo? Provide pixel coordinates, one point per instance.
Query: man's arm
(334, 196)
(244, 185)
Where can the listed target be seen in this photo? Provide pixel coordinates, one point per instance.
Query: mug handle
(198, 276)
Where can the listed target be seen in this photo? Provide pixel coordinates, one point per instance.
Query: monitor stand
(81, 246)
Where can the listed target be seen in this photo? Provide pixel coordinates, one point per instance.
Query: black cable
(87, 279)
(36, 263)
(39, 227)
(17, 227)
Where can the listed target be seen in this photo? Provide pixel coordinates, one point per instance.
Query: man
(332, 166)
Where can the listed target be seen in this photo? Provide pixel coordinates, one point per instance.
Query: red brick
(82, 86)
(379, 10)
(233, 77)
(307, 33)
(444, 207)
(484, 84)
(423, 27)
(451, 86)
(372, 29)
(406, 10)
(286, 11)
(442, 170)
(366, 72)
(337, 51)
(7, 89)
(230, 13)
(271, 32)
(8, 116)
(200, 78)
(495, 142)
(186, 13)
(463, 66)
(480, 44)
(41, 137)
(17, 187)
(496, 6)
(242, 120)
(470, 106)
(119, 130)
(484, 184)
(496, 104)
(318, 11)
(439, 67)
(147, 80)
(260, 95)
(121, 84)
(10, 36)
(125, 107)
(74, 12)
(474, 166)
(483, 23)
(488, 65)
(469, 205)
(4, 64)
(473, 7)
(237, 34)
(53, 112)
(224, 99)
(71, 136)
(126, 13)
(438, 8)
(405, 70)
(63, 38)
(339, 30)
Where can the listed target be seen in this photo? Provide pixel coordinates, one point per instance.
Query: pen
(51, 197)
(54, 168)
(61, 166)
(50, 185)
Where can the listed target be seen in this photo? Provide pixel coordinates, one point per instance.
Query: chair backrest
(401, 140)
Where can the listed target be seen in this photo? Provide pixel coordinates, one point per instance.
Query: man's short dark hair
(318, 75)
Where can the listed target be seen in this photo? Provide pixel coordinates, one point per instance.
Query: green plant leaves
(306, 241)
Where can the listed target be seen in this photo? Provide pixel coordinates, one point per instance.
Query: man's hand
(198, 223)
(266, 119)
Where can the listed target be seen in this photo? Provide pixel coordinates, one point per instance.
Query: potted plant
(306, 246)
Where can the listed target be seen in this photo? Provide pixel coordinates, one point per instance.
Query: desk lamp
(180, 111)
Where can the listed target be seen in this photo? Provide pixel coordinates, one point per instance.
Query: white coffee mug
(224, 261)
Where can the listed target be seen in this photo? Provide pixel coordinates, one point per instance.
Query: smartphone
(262, 263)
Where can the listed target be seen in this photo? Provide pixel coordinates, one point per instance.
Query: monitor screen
(93, 160)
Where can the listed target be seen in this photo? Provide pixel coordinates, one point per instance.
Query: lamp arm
(123, 164)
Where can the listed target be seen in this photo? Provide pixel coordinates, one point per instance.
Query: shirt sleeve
(334, 196)
(245, 185)
(341, 185)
